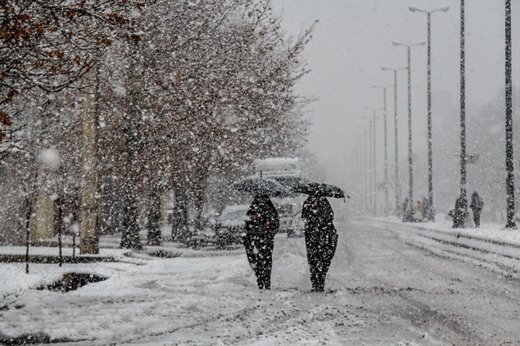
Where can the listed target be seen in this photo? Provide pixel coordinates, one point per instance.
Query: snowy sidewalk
(490, 246)
(205, 298)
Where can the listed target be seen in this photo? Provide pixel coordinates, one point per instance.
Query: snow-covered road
(384, 292)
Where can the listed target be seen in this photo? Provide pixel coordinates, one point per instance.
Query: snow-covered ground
(384, 290)
(490, 246)
(487, 231)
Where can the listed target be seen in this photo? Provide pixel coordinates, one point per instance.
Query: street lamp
(441, 9)
(410, 159)
(362, 170)
(373, 193)
(358, 170)
(366, 162)
(363, 152)
(431, 215)
(396, 147)
(510, 179)
(463, 194)
(385, 144)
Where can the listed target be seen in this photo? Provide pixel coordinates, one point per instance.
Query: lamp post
(410, 158)
(366, 187)
(510, 178)
(385, 144)
(429, 77)
(396, 147)
(373, 193)
(462, 103)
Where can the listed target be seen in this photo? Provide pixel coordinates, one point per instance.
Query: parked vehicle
(290, 219)
(230, 225)
(286, 171)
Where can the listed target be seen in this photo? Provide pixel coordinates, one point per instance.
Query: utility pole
(365, 171)
(429, 92)
(373, 191)
(396, 140)
(385, 145)
(360, 173)
(463, 192)
(373, 143)
(510, 178)
(410, 151)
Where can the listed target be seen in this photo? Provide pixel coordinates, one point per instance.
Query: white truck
(286, 171)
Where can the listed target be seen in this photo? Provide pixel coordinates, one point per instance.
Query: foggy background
(353, 39)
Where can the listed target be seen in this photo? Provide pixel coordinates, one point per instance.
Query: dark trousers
(321, 247)
(476, 218)
(259, 251)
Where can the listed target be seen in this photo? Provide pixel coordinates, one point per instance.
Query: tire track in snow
(419, 313)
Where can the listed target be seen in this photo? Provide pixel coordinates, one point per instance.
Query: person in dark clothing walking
(321, 238)
(476, 206)
(261, 228)
(460, 212)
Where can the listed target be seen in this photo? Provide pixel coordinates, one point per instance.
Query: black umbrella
(320, 189)
(261, 186)
(290, 182)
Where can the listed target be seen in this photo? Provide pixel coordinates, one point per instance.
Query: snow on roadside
(136, 299)
(487, 231)
(489, 247)
(211, 299)
(53, 251)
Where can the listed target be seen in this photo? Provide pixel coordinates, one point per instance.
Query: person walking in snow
(460, 212)
(408, 211)
(476, 206)
(321, 238)
(261, 227)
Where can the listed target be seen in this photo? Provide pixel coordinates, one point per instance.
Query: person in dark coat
(321, 238)
(261, 227)
(476, 206)
(408, 211)
(460, 212)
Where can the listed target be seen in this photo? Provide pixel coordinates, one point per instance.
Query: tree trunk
(130, 234)
(198, 201)
(154, 215)
(180, 229)
(28, 213)
(58, 225)
(89, 236)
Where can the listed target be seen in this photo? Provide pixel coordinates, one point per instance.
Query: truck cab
(287, 172)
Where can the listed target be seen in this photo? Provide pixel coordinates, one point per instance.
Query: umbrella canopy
(320, 189)
(261, 186)
(290, 182)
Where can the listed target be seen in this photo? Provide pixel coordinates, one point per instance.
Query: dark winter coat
(262, 217)
(476, 203)
(261, 227)
(318, 215)
(320, 238)
(461, 203)
(460, 212)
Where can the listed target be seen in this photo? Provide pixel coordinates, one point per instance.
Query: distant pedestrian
(427, 209)
(261, 228)
(476, 206)
(407, 211)
(321, 238)
(419, 212)
(460, 212)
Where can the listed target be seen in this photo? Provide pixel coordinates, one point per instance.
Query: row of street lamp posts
(396, 118)
(463, 156)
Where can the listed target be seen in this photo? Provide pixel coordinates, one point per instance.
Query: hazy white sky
(353, 40)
